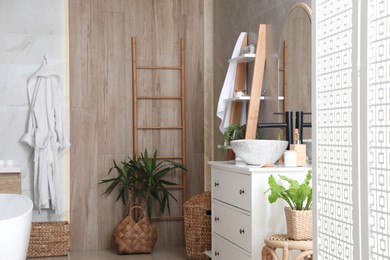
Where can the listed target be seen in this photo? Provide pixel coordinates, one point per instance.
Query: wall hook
(44, 62)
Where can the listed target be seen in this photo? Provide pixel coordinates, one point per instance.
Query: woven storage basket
(131, 237)
(197, 225)
(49, 239)
(299, 224)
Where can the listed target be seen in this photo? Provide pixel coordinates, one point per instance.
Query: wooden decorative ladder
(257, 84)
(255, 90)
(181, 127)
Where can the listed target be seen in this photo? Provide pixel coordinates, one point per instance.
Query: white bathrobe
(224, 108)
(45, 133)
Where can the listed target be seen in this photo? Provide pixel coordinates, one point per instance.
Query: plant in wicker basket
(299, 198)
(140, 181)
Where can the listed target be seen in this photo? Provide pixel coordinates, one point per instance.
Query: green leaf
(275, 188)
(293, 183)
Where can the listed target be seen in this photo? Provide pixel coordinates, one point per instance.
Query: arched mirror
(295, 63)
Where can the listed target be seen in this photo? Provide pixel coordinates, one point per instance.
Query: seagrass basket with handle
(135, 236)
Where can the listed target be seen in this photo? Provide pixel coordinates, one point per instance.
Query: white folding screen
(334, 126)
(378, 105)
(351, 126)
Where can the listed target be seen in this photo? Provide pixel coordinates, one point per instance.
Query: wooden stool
(274, 242)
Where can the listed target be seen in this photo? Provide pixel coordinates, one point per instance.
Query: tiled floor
(166, 253)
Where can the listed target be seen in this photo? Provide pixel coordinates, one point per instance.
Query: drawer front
(232, 188)
(224, 250)
(10, 183)
(232, 224)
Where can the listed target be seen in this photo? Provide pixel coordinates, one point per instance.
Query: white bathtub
(15, 226)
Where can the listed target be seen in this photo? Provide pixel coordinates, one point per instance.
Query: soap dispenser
(299, 148)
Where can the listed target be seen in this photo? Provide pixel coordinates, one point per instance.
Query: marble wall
(232, 17)
(28, 31)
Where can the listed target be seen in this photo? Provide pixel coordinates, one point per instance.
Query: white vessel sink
(259, 152)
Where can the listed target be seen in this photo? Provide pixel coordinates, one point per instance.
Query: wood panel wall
(101, 102)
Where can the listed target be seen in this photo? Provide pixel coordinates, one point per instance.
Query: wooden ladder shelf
(181, 127)
(257, 84)
(255, 90)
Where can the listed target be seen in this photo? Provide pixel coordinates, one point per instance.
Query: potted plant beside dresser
(299, 198)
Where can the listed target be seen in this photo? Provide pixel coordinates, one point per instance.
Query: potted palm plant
(299, 198)
(140, 181)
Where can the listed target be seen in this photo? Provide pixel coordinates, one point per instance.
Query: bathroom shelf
(242, 98)
(246, 98)
(241, 77)
(244, 58)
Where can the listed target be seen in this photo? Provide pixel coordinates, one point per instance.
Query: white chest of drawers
(241, 214)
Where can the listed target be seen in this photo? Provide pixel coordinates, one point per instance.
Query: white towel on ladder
(224, 108)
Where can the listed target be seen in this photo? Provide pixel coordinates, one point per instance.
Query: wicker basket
(197, 225)
(49, 239)
(299, 224)
(135, 236)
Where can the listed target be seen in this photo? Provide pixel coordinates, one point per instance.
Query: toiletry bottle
(299, 148)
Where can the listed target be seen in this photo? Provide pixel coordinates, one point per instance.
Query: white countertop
(256, 168)
(10, 169)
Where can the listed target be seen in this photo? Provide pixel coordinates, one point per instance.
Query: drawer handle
(242, 231)
(216, 184)
(242, 191)
(216, 253)
(216, 218)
